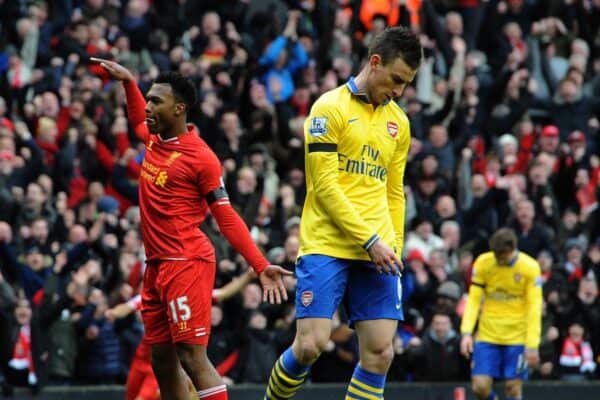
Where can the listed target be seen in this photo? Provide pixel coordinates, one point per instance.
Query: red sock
(213, 393)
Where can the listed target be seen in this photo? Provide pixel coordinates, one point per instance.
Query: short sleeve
(208, 172)
(323, 126)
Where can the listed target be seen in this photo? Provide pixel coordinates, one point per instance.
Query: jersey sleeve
(322, 133)
(231, 225)
(209, 174)
(395, 187)
(476, 293)
(136, 110)
(534, 308)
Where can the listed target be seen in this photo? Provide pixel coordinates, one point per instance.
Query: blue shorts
(499, 361)
(324, 281)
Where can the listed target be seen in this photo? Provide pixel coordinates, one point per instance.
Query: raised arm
(233, 287)
(136, 104)
(122, 310)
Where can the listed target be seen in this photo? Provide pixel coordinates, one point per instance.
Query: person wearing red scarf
(576, 357)
(19, 336)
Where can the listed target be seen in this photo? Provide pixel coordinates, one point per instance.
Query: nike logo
(398, 306)
(352, 120)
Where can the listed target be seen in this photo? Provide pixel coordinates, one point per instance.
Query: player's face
(388, 81)
(161, 108)
(504, 258)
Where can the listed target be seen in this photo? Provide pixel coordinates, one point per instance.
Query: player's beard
(153, 125)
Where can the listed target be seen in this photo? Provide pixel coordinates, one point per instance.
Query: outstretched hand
(116, 70)
(271, 279)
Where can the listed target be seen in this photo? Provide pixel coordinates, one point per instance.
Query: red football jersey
(175, 176)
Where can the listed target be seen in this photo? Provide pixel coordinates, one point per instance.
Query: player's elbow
(323, 189)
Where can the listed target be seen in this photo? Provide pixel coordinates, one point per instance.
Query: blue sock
(286, 377)
(291, 364)
(365, 384)
(492, 396)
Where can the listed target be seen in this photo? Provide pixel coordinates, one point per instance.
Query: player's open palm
(116, 70)
(271, 280)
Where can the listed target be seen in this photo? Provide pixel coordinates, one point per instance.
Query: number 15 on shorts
(180, 311)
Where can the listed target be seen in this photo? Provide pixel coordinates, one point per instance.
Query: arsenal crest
(306, 298)
(392, 128)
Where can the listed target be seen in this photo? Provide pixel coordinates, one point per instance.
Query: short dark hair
(503, 240)
(397, 42)
(183, 88)
(442, 311)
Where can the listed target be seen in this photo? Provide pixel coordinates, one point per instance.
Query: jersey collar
(514, 259)
(351, 85)
(191, 129)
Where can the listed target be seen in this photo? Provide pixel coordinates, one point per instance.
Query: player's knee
(513, 389)
(381, 354)
(481, 389)
(310, 348)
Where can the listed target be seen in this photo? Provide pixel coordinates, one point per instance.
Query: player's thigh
(371, 295)
(186, 290)
(164, 359)
(321, 286)
(487, 360)
(154, 315)
(514, 363)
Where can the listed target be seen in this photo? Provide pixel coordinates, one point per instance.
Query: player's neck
(177, 129)
(361, 83)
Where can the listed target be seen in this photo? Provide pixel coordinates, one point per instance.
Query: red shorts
(177, 300)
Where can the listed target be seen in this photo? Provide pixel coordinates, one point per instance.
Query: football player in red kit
(141, 382)
(180, 179)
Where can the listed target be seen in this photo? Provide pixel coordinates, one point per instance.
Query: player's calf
(168, 372)
(196, 364)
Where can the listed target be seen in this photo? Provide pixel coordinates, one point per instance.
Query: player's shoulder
(485, 260)
(528, 263)
(198, 150)
(334, 99)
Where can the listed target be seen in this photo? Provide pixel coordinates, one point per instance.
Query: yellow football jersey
(511, 309)
(355, 157)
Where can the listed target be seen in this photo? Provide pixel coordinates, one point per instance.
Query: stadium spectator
(437, 356)
(496, 93)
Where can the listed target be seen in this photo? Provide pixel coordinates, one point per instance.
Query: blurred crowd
(504, 121)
